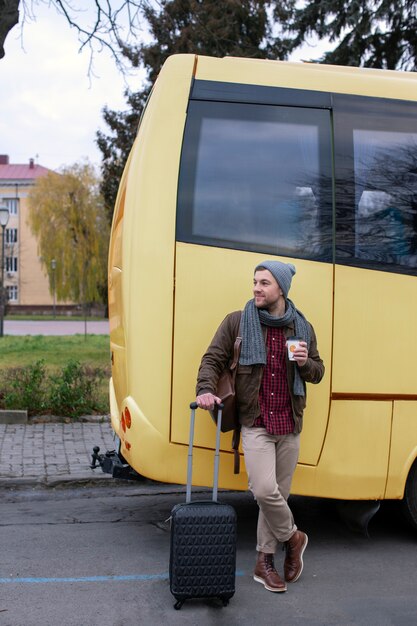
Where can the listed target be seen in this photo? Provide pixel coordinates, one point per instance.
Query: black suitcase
(203, 540)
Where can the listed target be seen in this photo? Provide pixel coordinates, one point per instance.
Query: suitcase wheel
(178, 604)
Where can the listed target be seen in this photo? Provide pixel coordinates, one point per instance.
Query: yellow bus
(237, 160)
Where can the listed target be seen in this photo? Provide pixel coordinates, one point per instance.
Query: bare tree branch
(100, 24)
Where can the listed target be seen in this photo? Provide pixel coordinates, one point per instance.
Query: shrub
(74, 390)
(25, 388)
(71, 391)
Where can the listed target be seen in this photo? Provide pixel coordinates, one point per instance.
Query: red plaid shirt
(274, 396)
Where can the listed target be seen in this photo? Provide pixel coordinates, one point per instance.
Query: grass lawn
(56, 351)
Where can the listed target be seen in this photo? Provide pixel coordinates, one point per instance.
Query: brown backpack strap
(236, 353)
(235, 448)
(236, 432)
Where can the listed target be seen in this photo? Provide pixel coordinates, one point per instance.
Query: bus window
(376, 164)
(257, 178)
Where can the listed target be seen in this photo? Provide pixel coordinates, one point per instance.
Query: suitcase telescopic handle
(193, 407)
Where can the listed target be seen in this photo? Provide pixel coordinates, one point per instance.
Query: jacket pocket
(244, 369)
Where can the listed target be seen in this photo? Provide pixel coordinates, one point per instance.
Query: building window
(12, 204)
(11, 235)
(11, 264)
(12, 293)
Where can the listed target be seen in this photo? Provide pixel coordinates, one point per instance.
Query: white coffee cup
(292, 344)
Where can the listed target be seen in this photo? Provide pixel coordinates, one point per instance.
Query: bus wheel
(409, 502)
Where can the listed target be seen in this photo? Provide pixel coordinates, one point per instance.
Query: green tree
(371, 33)
(66, 214)
(231, 27)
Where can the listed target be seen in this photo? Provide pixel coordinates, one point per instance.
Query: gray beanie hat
(282, 272)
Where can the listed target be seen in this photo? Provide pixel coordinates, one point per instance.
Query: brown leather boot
(266, 573)
(294, 548)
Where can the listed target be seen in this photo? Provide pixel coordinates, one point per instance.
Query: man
(271, 397)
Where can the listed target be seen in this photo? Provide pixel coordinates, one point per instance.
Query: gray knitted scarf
(253, 345)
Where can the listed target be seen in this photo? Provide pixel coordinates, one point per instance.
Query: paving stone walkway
(50, 453)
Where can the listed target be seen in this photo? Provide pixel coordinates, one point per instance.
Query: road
(99, 557)
(55, 327)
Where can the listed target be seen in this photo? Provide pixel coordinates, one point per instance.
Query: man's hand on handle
(207, 401)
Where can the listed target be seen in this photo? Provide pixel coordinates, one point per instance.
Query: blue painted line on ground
(91, 579)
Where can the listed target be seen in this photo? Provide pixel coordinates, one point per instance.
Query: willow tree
(66, 214)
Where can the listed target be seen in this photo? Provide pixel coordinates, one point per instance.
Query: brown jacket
(249, 377)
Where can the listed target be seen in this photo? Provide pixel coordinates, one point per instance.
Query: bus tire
(409, 502)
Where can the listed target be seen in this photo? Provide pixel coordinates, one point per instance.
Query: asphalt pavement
(56, 327)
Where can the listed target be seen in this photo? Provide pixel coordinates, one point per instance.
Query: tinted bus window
(376, 172)
(256, 177)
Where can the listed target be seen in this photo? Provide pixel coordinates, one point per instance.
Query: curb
(45, 481)
(13, 416)
(57, 419)
(145, 486)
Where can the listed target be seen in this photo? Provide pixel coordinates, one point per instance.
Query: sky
(50, 109)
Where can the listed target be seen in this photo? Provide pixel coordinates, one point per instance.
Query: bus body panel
(152, 454)
(203, 298)
(148, 253)
(374, 332)
(119, 379)
(403, 447)
(354, 462)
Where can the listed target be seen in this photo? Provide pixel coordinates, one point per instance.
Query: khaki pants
(270, 463)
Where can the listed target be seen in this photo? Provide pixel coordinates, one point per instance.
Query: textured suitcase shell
(203, 551)
(202, 560)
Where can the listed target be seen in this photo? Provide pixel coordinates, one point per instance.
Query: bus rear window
(258, 178)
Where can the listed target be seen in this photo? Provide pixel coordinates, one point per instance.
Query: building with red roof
(20, 173)
(25, 279)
